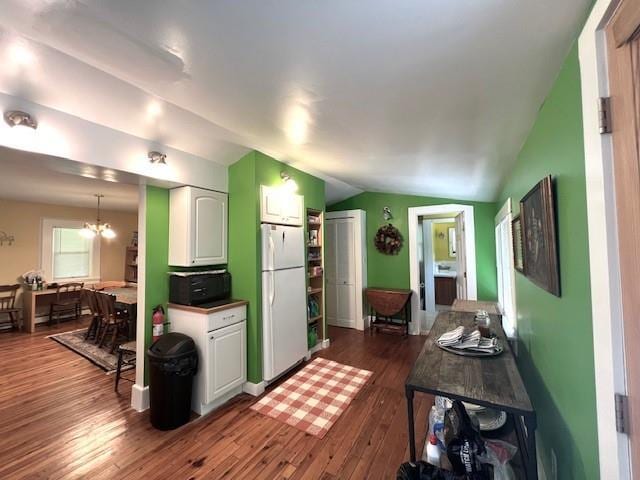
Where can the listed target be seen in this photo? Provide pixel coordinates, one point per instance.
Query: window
(67, 255)
(504, 262)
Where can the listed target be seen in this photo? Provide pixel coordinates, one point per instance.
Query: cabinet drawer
(226, 317)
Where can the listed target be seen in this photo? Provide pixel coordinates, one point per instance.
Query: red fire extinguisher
(158, 322)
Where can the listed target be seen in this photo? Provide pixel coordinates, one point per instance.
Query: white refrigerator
(284, 299)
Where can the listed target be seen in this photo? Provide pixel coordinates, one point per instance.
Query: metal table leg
(412, 434)
(532, 457)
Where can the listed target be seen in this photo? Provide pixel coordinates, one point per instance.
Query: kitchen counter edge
(206, 311)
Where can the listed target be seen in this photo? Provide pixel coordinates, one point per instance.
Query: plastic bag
(424, 471)
(464, 444)
(498, 454)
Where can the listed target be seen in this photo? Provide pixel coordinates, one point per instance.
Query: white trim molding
(606, 308)
(140, 398)
(254, 389)
(140, 320)
(470, 243)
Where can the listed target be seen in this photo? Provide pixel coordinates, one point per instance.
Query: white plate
(490, 420)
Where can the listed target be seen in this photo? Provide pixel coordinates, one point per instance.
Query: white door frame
(604, 261)
(470, 243)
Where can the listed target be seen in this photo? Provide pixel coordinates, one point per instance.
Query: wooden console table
(493, 382)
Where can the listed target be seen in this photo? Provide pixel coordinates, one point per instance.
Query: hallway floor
(60, 418)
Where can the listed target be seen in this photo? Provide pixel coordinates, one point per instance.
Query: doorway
(450, 230)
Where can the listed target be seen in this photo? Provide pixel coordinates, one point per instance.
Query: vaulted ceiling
(427, 97)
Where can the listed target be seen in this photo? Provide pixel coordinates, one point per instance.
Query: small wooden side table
(384, 306)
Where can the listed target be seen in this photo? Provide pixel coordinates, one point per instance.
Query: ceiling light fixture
(90, 230)
(289, 183)
(17, 118)
(157, 158)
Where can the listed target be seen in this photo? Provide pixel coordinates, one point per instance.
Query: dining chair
(68, 300)
(112, 320)
(126, 356)
(8, 295)
(90, 300)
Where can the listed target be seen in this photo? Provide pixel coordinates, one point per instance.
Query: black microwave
(199, 288)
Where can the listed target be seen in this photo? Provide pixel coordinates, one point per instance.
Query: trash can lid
(172, 345)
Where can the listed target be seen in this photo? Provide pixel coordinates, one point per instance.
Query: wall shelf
(315, 272)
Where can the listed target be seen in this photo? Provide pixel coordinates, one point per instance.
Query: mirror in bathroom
(452, 241)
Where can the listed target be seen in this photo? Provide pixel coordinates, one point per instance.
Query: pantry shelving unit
(315, 273)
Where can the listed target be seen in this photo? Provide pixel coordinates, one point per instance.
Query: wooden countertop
(219, 308)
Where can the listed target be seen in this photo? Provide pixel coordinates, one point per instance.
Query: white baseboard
(255, 389)
(140, 397)
(325, 343)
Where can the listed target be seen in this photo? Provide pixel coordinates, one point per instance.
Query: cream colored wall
(441, 245)
(23, 221)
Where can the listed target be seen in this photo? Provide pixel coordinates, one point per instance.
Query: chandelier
(90, 230)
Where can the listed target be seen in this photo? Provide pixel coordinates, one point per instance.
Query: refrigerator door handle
(272, 251)
(272, 291)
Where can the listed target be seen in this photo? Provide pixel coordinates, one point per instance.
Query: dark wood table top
(403, 291)
(493, 382)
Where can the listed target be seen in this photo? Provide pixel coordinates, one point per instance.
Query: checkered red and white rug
(314, 398)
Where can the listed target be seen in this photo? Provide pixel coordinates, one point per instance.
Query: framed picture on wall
(537, 211)
(516, 235)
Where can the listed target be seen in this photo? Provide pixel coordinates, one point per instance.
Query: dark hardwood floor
(60, 418)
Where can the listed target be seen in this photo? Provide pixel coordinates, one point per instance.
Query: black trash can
(173, 361)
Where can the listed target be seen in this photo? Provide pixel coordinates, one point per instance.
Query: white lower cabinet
(226, 360)
(220, 335)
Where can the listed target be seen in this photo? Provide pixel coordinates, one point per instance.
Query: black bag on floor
(464, 444)
(424, 471)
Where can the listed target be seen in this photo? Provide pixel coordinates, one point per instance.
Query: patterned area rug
(101, 357)
(314, 398)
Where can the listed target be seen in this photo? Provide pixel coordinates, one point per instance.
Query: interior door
(623, 54)
(210, 225)
(461, 258)
(340, 271)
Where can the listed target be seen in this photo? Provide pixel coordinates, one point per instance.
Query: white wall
(66, 136)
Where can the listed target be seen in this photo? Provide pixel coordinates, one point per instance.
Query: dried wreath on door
(388, 240)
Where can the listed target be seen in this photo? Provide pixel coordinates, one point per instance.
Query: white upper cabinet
(197, 227)
(281, 207)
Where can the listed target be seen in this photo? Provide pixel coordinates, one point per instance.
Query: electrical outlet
(554, 465)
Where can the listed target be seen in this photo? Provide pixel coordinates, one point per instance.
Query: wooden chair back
(90, 300)
(8, 295)
(69, 291)
(106, 305)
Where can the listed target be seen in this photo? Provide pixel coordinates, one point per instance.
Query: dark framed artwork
(516, 235)
(538, 217)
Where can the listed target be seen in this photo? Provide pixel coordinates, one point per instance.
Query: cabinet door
(278, 206)
(270, 205)
(209, 235)
(292, 210)
(346, 305)
(226, 360)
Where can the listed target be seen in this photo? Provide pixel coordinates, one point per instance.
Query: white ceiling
(30, 177)
(428, 97)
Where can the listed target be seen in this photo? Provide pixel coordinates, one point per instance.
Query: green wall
(245, 178)
(555, 334)
(156, 257)
(392, 271)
